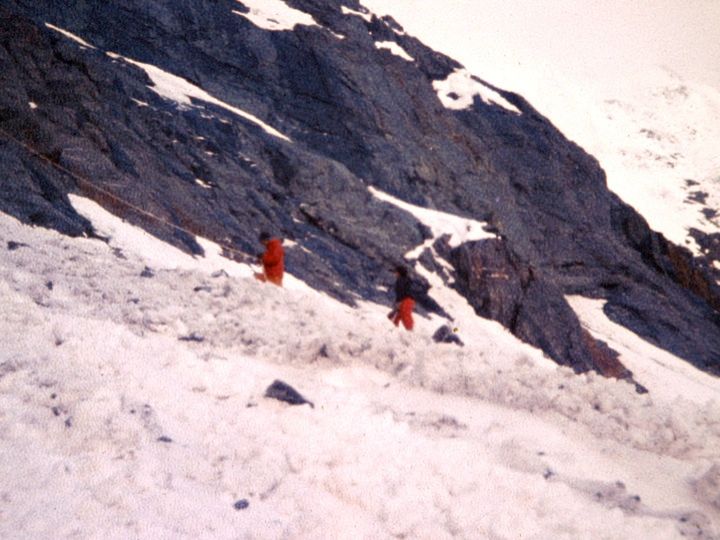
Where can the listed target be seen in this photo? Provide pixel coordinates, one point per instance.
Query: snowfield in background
(131, 405)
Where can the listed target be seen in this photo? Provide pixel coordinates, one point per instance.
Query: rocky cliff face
(286, 131)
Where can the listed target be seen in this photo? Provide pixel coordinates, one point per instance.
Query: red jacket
(273, 260)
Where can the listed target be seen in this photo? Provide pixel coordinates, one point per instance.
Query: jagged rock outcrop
(520, 297)
(345, 115)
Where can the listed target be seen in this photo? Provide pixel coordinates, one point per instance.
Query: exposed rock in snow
(284, 392)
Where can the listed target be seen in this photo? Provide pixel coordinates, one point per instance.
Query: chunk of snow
(32, 105)
(347, 11)
(140, 103)
(179, 90)
(460, 88)
(70, 35)
(274, 15)
(394, 48)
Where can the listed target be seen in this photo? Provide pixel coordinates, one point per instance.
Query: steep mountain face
(284, 129)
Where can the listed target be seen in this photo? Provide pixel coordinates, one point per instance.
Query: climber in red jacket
(404, 299)
(272, 260)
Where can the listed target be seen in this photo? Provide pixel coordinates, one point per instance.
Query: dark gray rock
(445, 334)
(12, 245)
(241, 504)
(500, 287)
(193, 336)
(284, 392)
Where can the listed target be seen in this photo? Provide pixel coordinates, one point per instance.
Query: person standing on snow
(273, 260)
(404, 299)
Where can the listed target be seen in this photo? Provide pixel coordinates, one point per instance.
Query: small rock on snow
(284, 392)
(242, 504)
(446, 334)
(192, 337)
(12, 245)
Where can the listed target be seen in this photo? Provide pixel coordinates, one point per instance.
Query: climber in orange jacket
(272, 260)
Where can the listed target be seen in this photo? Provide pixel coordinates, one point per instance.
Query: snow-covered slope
(131, 405)
(635, 84)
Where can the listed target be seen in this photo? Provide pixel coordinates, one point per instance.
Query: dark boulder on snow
(446, 334)
(284, 392)
(192, 336)
(241, 504)
(12, 245)
(74, 119)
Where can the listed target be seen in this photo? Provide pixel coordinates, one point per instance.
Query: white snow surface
(636, 84)
(275, 15)
(112, 425)
(394, 48)
(70, 35)
(347, 11)
(460, 88)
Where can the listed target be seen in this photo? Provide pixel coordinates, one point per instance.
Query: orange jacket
(273, 260)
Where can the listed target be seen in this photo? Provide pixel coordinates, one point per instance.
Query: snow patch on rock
(179, 90)
(458, 228)
(460, 88)
(395, 49)
(275, 15)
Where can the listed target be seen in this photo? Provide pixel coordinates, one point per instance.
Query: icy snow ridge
(70, 35)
